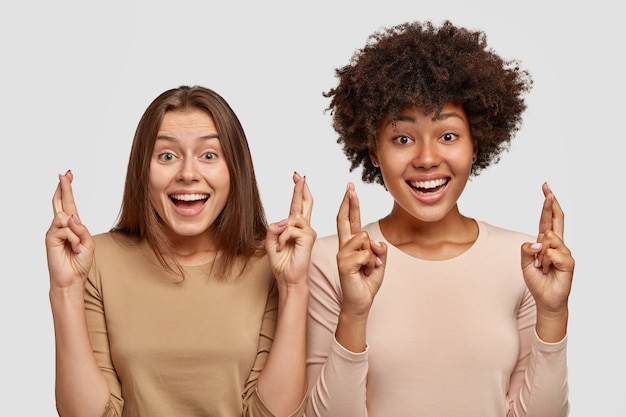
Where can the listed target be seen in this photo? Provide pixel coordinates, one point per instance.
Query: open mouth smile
(428, 187)
(188, 200)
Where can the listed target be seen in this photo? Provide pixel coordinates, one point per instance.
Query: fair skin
(426, 162)
(189, 182)
(187, 164)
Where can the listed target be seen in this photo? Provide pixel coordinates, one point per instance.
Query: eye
(166, 156)
(209, 156)
(403, 140)
(449, 137)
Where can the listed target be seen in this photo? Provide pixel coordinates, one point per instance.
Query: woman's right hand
(360, 260)
(69, 245)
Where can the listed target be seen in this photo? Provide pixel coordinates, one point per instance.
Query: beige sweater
(168, 349)
(445, 338)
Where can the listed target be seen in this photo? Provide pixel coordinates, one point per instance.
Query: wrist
(551, 326)
(70, 293)
(351, 331)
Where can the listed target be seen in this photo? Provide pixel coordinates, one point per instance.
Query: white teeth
(190, 197)
(428, 184)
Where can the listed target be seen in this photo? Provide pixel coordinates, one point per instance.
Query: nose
(188, 171)
(426, 154)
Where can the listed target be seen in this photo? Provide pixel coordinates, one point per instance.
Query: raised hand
(69, 246)
(360, 260)
(290, 241)
(548, 268)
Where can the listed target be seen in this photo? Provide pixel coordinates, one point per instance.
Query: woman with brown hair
(192, 305)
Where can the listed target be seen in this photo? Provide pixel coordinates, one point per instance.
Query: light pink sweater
(445, 338)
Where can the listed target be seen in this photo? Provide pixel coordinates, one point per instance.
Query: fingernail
(536, 263)
(379, 261)
(282, 222)
(377, 243)
(75, 219)
(535, 246)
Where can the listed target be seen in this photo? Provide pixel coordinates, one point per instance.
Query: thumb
(273, 232)
(530, 253)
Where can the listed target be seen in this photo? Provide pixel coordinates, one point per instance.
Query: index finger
(551, 214)
(349, 216)
(296, 198)
(307, 201)
(57, 205)
(63, 199)
(302, 200)
(558, 218)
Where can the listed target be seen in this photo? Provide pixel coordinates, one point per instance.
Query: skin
(428, 225)
(188, 162)
(183, 162)
(420, 148)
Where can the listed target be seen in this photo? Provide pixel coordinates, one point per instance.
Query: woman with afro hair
(427, 312)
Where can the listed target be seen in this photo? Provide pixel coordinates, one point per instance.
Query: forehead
(419, 115)
(187, 120)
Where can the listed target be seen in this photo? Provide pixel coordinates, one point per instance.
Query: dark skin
(425, 160)
(547, 266)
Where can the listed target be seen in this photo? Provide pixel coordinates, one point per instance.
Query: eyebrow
(441, 116)
(201, 138)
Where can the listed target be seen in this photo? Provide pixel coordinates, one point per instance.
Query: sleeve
(253, 405)
(337, 377)
(539, 383)
(94, 311)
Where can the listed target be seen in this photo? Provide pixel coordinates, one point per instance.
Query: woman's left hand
(290, 241)
(547, 264)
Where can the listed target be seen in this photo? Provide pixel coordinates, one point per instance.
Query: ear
(373, 157)
(475, 154)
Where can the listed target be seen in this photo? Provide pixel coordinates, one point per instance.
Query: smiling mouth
(428, 187)
(188, 200)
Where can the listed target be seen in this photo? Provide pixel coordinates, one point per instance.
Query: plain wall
(76, 77)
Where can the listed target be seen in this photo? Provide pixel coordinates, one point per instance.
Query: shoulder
(330, 243)
(115, 252)
(505, 242)
(503, 235)
(326, 244)
(258, 266)
(117, 244)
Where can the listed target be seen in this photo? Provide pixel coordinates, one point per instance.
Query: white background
(76, 77)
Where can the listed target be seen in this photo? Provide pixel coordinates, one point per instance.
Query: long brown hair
(239, 230)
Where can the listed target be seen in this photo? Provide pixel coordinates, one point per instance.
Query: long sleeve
(544, 389)
(337, 377)
(253, 405)
(94, 310)
(539, 383)
(171, 347)
(445, 338)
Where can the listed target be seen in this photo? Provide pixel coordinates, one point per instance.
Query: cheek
(155, 200)
(393, 164)
(156, 185)
(220, 178)
(462, 161)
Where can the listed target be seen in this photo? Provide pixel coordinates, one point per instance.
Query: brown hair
(418, 64)
(239, 230)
